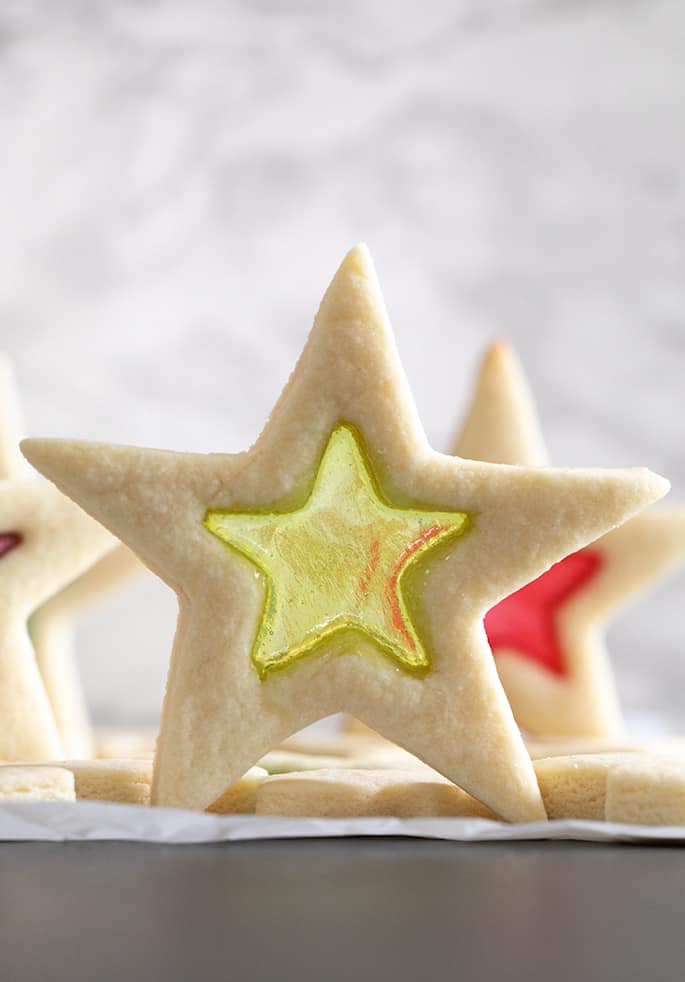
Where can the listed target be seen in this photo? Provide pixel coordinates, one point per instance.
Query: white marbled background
(180, 179)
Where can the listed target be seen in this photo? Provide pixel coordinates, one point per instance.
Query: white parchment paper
(85, 820)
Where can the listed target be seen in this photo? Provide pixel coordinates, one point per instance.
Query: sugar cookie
(45, 542)
(111, 780)
(646, 791)
(33, 783)
(360, 793)
(398, 550)
(548, 636)
(575, 786)
(49, 625)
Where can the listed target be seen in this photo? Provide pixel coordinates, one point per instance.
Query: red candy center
(526, 622)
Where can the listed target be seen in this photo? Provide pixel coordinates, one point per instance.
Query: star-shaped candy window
(342, 563)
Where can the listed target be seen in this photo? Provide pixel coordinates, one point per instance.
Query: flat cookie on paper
(548, 637)
(33, 783)
(365, 793)
(576, 786)
(646, 790)
(50, 626)
(340, 565)
(119, 781)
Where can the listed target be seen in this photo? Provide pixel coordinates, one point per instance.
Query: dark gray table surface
(354, 909)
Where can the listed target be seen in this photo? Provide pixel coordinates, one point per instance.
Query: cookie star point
(497, 354)
(501, 425)
(359, 260)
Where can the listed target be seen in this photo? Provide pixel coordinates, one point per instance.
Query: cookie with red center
(46, 542)
(51, 625)
(547, 637)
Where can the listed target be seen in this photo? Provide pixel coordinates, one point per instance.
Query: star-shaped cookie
(47, 541)
(233, 691)
(548, 637)
(50, 624)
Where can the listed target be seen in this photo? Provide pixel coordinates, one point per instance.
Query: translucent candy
(526, 621)
(344, 570)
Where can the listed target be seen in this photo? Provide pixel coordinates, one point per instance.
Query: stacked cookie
(642, 785)
(342, 566)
